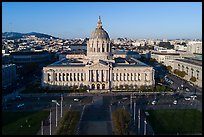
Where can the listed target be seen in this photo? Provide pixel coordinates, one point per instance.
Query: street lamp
(131, 103)
(61, 104)
(50, 123)
(42, 127)
(57, 104)
(138, 121)
(134, 111)
(145, 126)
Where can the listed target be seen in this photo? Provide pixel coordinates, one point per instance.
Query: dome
(99, 32)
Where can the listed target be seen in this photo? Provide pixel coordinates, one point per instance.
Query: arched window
(192, 71)
(197, 73)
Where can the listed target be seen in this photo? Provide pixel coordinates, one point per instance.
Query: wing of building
(98, 70)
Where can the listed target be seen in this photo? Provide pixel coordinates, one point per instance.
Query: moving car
(76, 99)
(20, 105)
(193, 96)
(175, 102)
(154, 102)
(187, 98)
(187, 89)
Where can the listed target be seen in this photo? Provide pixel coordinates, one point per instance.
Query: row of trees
(132, 87)
(183, 74)
(74, 88)
(143, 88)
(121, 120)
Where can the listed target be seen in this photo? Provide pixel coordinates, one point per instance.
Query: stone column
(104, 75)
(93, 75)
(79, 76)
(132, 76)
(136, 78)
(46, 77)
(61, 76)
(96, 75)
(89, 75)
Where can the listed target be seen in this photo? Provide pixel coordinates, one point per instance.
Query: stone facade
(193, 68)
(98, 70)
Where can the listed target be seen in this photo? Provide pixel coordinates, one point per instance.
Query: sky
(137, 20)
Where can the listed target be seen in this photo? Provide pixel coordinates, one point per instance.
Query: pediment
(98, 65)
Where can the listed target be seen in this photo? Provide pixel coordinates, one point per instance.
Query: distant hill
(16, 35)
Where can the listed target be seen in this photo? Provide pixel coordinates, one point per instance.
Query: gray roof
(99, 32)
(191, 61)
(67, 63)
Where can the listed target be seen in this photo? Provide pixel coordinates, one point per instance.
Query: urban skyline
(156, 20)
(96, 84)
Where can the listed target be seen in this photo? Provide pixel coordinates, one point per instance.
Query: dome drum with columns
(99, 45)
(98, 70)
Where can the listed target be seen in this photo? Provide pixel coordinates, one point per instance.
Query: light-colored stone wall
(191, 70)
(97, 75)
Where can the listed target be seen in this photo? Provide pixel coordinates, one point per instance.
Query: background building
(8, 74)
(192, 67)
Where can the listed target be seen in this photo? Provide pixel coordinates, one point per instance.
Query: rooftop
(191, 61)
(29, 53)
(67, 63)
(124, 62)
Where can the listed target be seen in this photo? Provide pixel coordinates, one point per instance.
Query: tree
(126, 87)
(158, 88)
(193, 79)
(176, 71)
(169, 68)
(142, 87)
(121, 87)
(182, 74)
(131, 86)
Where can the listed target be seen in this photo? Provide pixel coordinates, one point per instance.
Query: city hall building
(98, 70)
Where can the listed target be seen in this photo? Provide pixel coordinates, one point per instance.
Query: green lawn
(12, 122)
(69, 123)
(188, 121)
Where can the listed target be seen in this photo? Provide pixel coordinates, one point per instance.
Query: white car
(190, 84)
(76, 99)
(153, 102)
(20, 105)
(187, 89)
(175, 102)
(193, 96)
(187, 98)
(125, 98)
